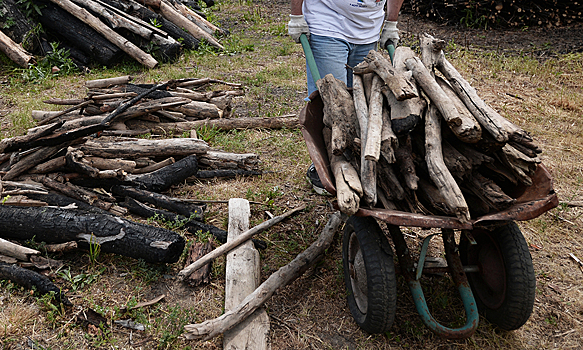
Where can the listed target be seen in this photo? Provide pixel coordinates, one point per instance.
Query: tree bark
(32, 280)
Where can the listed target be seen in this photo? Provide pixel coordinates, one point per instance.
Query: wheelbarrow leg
(459, 278)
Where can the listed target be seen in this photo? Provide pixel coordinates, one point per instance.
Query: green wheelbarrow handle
(310, 57)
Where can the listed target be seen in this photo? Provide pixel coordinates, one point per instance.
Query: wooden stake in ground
(242, 278)
(279, 279)
(245, 236)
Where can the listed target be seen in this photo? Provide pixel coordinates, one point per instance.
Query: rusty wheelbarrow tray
(487, 278)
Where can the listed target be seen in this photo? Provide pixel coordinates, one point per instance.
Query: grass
(541, 96)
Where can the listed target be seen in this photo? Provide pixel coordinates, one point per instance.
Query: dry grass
(543, 97)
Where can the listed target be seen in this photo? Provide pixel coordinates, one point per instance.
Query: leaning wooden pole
(281, 278)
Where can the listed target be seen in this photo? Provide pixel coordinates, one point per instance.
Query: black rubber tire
(504, 287)
(373, 305)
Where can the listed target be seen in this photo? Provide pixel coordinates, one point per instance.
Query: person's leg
(331, 56)
(356, 55)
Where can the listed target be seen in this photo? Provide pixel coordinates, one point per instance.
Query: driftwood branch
(245, 236)
(279, 279)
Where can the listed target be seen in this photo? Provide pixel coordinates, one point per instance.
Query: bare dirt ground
(312, 313)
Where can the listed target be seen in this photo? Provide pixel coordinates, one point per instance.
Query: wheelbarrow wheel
(504, 287)
(369, 274)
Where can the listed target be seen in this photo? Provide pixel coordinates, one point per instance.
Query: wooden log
(19, 27)
(60, 248)
(16, 250)
(32, 281)
(18, 198)
(227, 247)
(113, 233)
(339, 112)
(202, 275)
(14, 143)
(438, 172)
(469, 130)
(242, 277)
(288, 121)
(162, 179)
(77, 192)
(227, 160)
(432, 198)
(348, 184)
(110, 164)
(458, 165)
(522, 166)
(488, 191)
(185, 209)
(199, 20)
(15, 52)
(171, 14)
(107, 82)
(430, 50)
(372, 149)
(389, 182)
(199, 110)
(389, 141)
(125, 45)
(435, 93)
(59, 138)
(486, 116)
(368, 176)
(376, 62)
(145, 148)
(73, 30)
(279, 279)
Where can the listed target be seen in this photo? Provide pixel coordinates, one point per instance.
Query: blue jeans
(332, 55)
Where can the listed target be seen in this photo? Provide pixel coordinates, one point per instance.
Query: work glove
(389, 35)
(297, 26)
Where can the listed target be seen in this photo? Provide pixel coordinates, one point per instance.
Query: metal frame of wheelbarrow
(531, 202)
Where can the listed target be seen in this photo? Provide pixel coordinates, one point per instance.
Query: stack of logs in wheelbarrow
(412, 144)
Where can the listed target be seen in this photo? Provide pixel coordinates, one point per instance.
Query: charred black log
(114, 234)
(17, 26)
(160, 200)
(31, 279)
(162, 179)
(79, 34)
(192, 226)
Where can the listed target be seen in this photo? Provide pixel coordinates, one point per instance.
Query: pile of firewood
(514, 13)
(437, 150)
(76, 175)
(103, 31)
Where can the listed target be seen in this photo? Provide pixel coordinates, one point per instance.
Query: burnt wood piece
(193, 226)
(162, 179)
(77, 192)
(32, 160)
(153, 167)
(389, 182)
(457, 164)
(186, 209)
(14, 143)
(74, 31)
(58, 138)
(60, 200)
(18, 26)
(339, 112)
(114, 234)
(32, 280)
(49, 166)
(140, 89)
(123, 107)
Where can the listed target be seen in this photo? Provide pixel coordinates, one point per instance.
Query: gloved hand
(389, 35)
(297, 26)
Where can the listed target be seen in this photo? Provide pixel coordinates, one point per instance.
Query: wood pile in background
(104, 31)
(513, 13)
(437, 149)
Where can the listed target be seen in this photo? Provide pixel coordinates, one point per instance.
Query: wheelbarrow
(491, 265)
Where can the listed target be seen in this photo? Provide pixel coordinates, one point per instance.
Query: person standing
(341, 33)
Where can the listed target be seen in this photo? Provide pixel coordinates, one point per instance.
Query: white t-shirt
(356, 21)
